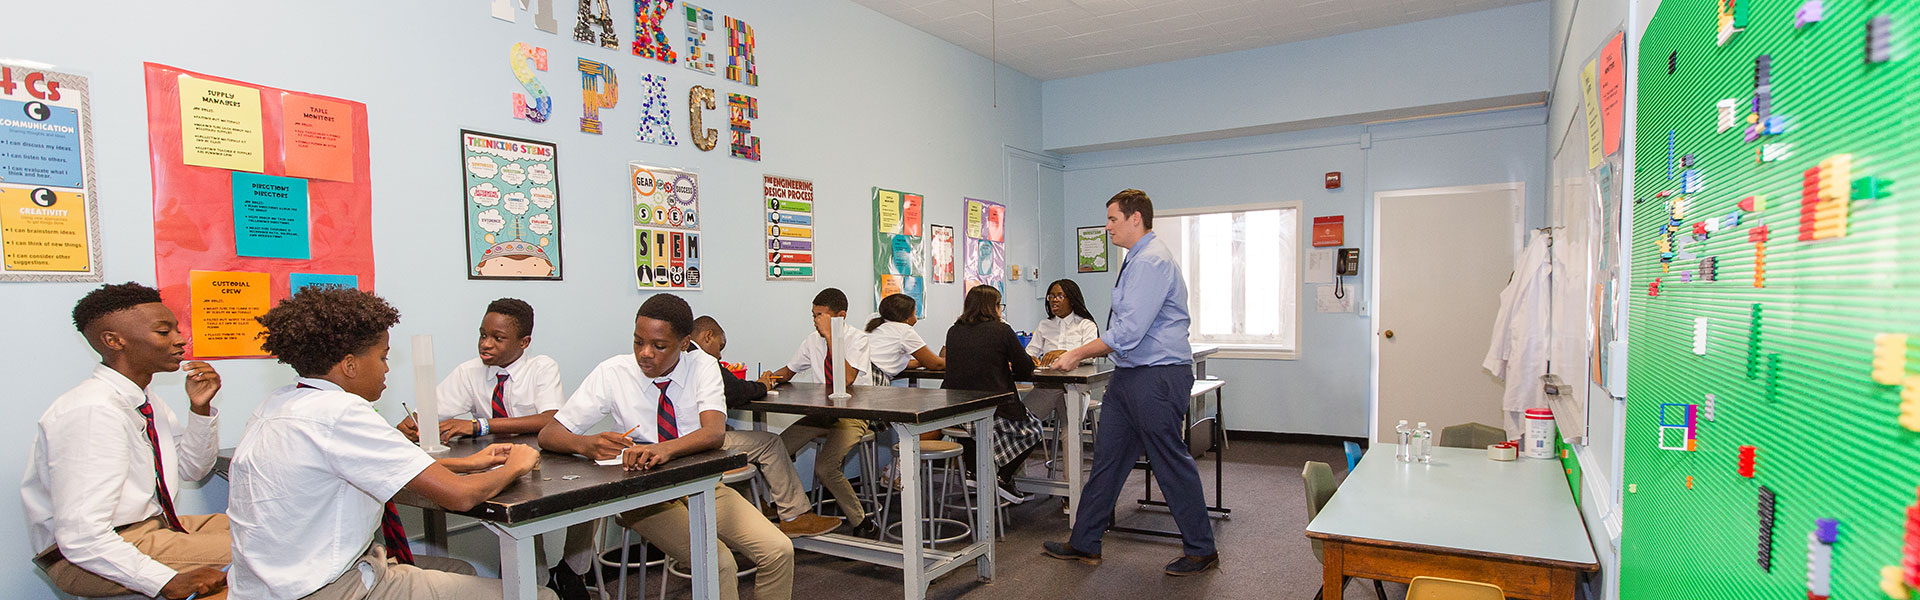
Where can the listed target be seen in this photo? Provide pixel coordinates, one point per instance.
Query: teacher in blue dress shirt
(1146, 401)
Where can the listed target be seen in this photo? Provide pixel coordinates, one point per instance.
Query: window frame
(1249, 350)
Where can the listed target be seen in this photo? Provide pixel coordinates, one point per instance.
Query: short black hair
(669, 308)
(318, 327)
(109, 299)
(1134, 201)
(832, 298)
(707, 323)
(516, 309)
(896, 308)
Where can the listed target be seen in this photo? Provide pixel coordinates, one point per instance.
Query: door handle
(1388, 333)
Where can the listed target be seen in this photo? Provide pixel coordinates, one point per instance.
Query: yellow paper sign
(224, 306)
(43, 230)
(887, 203)
(220, 125)
(973, 220)
(1594, 152)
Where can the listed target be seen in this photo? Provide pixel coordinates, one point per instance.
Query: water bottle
(1404, 453)
(1423, 443)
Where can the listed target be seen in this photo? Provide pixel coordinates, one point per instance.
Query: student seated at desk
(670, 400)
(815, 357)
(892, 344)
(317, 464)
(763, 449)
(1069, 325)
(983, 354)
(509, 392)
(108, 456)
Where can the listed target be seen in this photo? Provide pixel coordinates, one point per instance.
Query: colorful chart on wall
(512, 207)
(250, 180)
(984, 249)
(1773, 414)
(1090, 246)
(666, 227)
(789, 204)
(49, 217)
(898, 261)
(941, 253)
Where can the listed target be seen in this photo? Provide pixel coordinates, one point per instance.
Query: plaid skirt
(1011, 437)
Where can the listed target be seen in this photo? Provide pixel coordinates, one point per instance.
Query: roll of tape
(1503, 451)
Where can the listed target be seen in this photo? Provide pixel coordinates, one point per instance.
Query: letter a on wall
(649, 35)
(655, 125)
(535, 105)
(599, 88)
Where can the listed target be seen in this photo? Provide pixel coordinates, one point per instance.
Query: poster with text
(512, 207)
(789, 204)
(941, 252)
(49, 219)
(898, 261)
(666, 227)
(254, 180)
(983, 251)
(1091, 244)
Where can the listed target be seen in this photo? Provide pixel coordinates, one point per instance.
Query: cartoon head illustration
(515, 258)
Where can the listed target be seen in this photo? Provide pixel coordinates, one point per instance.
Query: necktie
(159, 473)
(499, 397)
(669, 426)
(828, 373)
(391, 531)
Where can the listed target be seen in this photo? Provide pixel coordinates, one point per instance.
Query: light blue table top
(1462, 501)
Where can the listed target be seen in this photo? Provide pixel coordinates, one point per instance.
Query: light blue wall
(1469, 58)
(1324, 391)
(848, 98)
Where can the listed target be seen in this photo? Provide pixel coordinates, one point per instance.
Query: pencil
(629, 431)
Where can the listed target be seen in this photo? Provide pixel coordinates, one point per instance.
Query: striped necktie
(159, 473)
(500, 397)
(393, 534)
(668, 421)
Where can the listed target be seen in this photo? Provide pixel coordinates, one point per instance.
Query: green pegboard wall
(1828, 439)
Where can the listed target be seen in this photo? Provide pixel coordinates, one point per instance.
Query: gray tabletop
(1100, 370)
(877, 403)
(554, 488)
(1461, 501)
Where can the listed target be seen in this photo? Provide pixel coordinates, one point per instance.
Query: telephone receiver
(1347, 261)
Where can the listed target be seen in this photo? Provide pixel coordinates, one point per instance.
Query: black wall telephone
(1346, 262)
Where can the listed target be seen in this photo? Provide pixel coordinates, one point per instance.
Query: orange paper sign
(224, 306)
(1613, 91)
(1329, 231)
(318, 137)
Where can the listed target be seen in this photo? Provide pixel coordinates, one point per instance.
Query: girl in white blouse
(1068, 325)
(893, 345)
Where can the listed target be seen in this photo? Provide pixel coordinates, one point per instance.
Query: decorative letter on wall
(583, 27)
(701, 99)
(740, 52)
(741, 110)
(655, 126)
(599, 88)
(542, 13)
(541, 104)
(649, 38)
(699, 22)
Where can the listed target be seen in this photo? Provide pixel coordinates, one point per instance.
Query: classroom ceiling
(1052, 39)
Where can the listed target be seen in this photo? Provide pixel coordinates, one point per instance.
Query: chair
(1353, 455)
(1437, 588)
(1471, 435)
(1320, 487)
(748, 474)
(942, 456)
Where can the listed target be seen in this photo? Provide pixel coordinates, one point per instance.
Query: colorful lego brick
(1889, 358)
(1808, 14)
(1880, 39)
(1872, 188)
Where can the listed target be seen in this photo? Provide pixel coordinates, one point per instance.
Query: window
(1241, 267)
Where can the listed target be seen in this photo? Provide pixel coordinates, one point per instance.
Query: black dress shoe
(1066, 551)
(1192, 565)
(565, 583)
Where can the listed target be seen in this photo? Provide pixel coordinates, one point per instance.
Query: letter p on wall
(599, 88)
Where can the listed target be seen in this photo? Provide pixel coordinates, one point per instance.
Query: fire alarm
(1333, 180)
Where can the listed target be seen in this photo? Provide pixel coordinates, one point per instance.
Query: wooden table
(1079, 384)
(570, 489)
(1511, 524)
(911, 411)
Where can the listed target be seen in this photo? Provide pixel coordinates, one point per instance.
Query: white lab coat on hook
(1518, 351)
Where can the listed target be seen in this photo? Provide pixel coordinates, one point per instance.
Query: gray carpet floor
(1264, 554)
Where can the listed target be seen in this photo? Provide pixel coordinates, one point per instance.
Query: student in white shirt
(892, 344)
(508, 392)
(670, 400)
(816, 355)
(1068, 325)
(316, 465)
(101, 522)
(763, 449)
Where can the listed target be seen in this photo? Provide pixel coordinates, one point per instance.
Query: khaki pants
(769, 452)
(578, 552)
(394, 581)
(741, 527)
(206, 542)
(829, 466)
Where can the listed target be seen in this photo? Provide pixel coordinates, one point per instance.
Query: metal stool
(966, 502)
(627, 539)
(749, 474)
(947, 455)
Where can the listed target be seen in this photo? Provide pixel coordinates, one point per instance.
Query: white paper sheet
(1320, 266)
(1325, 302)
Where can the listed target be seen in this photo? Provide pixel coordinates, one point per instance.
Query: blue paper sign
(300, 281)
(40, 144)
(270, 216)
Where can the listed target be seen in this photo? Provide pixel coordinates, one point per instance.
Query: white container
(1540, 434)
(1404, 436)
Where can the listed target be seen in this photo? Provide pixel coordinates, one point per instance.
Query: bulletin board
(1775, 279)
(899, 260)
(262, 185)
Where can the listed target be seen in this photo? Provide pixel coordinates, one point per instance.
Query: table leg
(517, 580)
(913, 555)
(759, 421)
(436, 531)
(703, 535)
(985, 487)
(1562, 583)
(1078, 397)
(1332, 575)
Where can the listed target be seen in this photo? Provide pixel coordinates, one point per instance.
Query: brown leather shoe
(808, 525)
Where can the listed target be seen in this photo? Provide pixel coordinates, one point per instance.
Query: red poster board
(193, 226)
(1329, 231)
